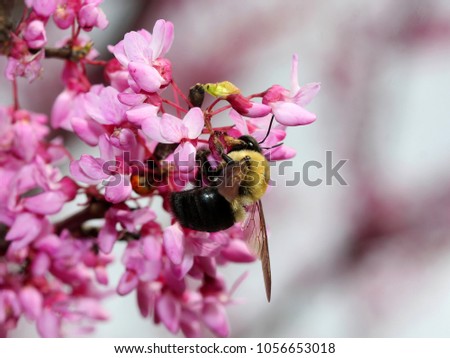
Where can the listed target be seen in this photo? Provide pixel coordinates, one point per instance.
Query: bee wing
(255, 232)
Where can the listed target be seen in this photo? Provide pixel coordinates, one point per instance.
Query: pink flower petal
(40, 265)
(136, 47)
(132, 99)
(35, 34)
(294, 75)
(112, 110)
(128, 282)
(169, 311)
(141, 113)
(93, 168)
(48, 324)
(106, 151)
(145, 76)
(46, 203)
(102, 21)
(107, 237)
(190, 325)
(258, 110)
(290, 114)
(87, 16)
(306, 94)
(25, 229)
(79, 175)
(64, 17)
(215, 317)
(92, 107)
(88, 130)
(31, 301)
(68, 187)
(91, 308)
(281, 153)
(25, 140)
(123, 138)
(172, 128)
(118, 189)
(185, 157)
(182, 269)
(237, 251)
(174, 243)
(119, 52)
(163, 36)
(151, 248)
(44, 7)
(145, 299)
(62, 109)
(239, 122)
(101, 275)
(194, 122)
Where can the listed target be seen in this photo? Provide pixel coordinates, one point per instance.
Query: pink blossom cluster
(147, 132)
(29, 39)
(46, 275)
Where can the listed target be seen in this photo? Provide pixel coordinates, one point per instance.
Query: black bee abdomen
(202, 209)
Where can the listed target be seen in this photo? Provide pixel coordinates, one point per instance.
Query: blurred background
(366, 259)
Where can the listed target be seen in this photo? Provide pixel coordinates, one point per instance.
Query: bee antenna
(268, 131)
(274, 146)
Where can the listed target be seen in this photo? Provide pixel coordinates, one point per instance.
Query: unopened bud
(221, 89)
(196, 95)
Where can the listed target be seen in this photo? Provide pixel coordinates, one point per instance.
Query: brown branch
(63, 52)
(6, 24)
(3, 243)
(74, 223)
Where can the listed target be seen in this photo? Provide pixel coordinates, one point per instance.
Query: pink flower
(28, 66)
(42, 7)
(91, 16)
(143, 262)
(182, 246)
(142, 54)
(246, 107)
(29, 130)
(131, 221)
(258, 128)
(170, 129)
(113, 174)
(32, 301)
(26, 228)
(35, 34)
(287, 106)
(104, 106)
(64, 15)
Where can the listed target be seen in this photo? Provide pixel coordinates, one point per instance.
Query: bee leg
(246, 161)
(227, 158)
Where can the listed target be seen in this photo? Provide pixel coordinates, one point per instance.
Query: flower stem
(174, 105)
(15, 94)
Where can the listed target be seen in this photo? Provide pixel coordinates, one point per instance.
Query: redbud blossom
(169, 129)
(35, 34)
(288, 105)
(141, 53)
(51, 271)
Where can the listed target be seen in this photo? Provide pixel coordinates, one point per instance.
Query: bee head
(246, 142)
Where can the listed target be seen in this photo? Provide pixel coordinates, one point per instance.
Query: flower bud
(35, 34)
(221, 89)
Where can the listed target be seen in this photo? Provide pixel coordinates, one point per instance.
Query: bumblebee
(232, 193)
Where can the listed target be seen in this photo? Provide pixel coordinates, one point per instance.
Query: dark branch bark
(6, 24)
(74, 223)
